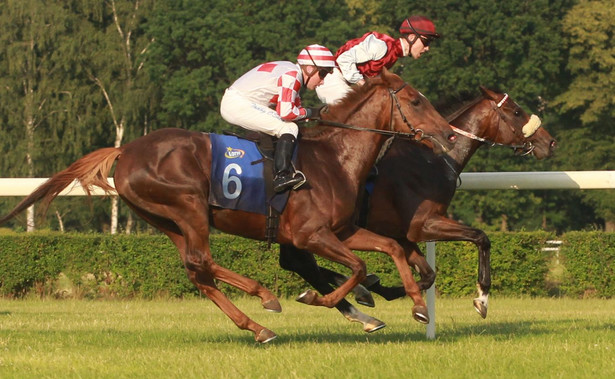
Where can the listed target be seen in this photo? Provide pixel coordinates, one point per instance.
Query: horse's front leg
(416, 260)
(444, 229)
(303, 263)
(325, 243)
(365, 240)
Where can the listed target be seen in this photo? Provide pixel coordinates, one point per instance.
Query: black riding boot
(285, 177)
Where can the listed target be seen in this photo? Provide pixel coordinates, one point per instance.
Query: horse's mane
(348, 104)
(356, 94)
(452, 105)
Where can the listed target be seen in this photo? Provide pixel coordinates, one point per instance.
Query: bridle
(527, 146)
(415, 134)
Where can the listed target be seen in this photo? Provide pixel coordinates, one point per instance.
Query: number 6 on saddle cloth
(237, 176)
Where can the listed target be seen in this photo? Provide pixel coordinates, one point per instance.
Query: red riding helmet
(419, 25)
(316, 55)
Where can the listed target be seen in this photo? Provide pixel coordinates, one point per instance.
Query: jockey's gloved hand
(313, 113)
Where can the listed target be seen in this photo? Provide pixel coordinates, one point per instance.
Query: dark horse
(165, 178)
(414, 188)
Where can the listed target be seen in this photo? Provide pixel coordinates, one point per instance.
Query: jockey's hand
(313, 113)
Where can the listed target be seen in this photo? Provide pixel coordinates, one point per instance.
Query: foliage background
(78, 75)
(70, 265)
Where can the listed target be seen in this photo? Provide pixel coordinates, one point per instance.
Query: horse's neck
(473, 121)
(355, 151)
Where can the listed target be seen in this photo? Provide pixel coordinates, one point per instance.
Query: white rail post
(431, 292)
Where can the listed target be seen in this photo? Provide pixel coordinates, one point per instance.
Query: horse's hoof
(370, 324)
(265, 336)
(363, 296)
(480, 307)
(307, 297)
(373, 325)
(370, 280)
(420, 314)
(424, 286)
(272, 305)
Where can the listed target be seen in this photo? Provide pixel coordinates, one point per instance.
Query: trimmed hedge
(147, 266)
(518, 265)
(589, 261)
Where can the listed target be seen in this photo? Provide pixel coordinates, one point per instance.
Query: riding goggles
(323, 72)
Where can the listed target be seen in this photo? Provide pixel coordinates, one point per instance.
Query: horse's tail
(90, 170)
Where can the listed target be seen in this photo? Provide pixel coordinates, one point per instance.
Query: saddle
(266, 146)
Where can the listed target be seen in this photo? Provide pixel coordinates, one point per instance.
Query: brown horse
(414, 188)
(165, 178)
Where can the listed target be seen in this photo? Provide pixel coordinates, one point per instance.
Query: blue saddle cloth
(237, 180)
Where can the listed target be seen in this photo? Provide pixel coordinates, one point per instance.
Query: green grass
(546, 338)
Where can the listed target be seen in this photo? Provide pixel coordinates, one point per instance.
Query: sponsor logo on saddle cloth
(237, 180)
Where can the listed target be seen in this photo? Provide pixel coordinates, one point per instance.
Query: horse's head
(514, 127)
(393, 107)
(410, 110)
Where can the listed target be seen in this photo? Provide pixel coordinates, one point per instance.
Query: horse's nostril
(452, 138)
(553, 144)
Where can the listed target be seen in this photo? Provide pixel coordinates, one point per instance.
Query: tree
(590, 29)
(114, 59)
(199, 51)
(590, 97)
(35, 88)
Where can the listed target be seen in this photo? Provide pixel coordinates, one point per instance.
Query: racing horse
(414, 188)
(165, 176)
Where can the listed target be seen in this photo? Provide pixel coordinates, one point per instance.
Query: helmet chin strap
(314, 71)
(410, 44)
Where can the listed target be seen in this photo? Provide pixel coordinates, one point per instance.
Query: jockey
(366, 56)
(266, 99)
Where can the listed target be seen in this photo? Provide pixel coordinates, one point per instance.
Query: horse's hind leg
(205, 282)
(203, 279)
(252, 287)
(170, 228)
(202, 271)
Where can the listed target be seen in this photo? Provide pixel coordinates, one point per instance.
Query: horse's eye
(517, 112)
(415, 102)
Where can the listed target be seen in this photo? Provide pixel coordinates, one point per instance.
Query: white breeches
(238, 110)
(334, 88)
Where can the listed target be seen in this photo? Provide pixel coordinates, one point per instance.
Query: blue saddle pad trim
(237, 180)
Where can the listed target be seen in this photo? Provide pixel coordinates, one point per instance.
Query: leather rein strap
(391, 133)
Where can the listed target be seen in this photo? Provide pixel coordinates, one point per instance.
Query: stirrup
(297, 177)
(302, 182)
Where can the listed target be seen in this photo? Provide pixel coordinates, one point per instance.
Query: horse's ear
(390, 78)
(385, 74)
(488, 93)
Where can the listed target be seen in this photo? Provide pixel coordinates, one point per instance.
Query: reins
(391, 133)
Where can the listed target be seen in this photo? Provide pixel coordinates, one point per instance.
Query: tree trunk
(28, 88)
(129, 223)
(60, 222)
(114, 216)
(30, 226)
(504, 224)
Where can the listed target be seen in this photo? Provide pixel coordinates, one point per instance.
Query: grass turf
(192, 338)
